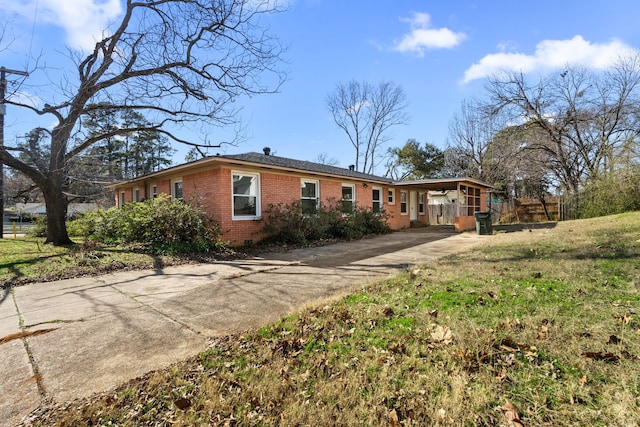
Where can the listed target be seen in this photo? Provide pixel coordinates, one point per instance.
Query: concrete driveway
(71, 338)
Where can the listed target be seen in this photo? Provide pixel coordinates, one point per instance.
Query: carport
(470, 196)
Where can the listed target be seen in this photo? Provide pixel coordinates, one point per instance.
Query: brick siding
(210, 187)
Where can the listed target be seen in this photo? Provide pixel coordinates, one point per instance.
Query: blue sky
(439, 52)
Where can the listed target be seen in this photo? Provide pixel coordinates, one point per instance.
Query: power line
(33, 30)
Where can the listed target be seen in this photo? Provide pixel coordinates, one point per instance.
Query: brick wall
(211, 188)
(164, 186)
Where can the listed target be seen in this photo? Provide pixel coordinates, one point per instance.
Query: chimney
(266, 151)
(352, 167)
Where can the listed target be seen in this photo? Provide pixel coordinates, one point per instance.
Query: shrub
(162, 223)
(611, 194)
(38, 227)
(76, 227)
(286, 224)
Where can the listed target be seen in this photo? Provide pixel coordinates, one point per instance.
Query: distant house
(39, 209)
(237, 188)
(443, 197)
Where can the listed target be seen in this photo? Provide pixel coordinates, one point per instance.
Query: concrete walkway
(68, 339)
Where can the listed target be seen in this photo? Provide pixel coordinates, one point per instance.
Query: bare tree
(522, 170)
(471, 149)
(584, 117)
(180, 63)
(366, 113)
(325, 159)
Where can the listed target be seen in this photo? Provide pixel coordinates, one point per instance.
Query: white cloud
(550, 54)
(25, 99)
(423, 37)
(83, 21)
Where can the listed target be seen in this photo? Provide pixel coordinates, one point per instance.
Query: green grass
(29, 260)
(546, 319)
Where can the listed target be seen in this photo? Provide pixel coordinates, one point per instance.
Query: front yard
(531, 328)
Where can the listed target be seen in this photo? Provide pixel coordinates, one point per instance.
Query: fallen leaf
(543, 332)
(511, 413)
(393, 419)
(182, 403)
(442, 334)
(508, 344)
(614, 340)
(598, 355)
(388, 311)
(502, 375)
(625, 319)
(628, 355)
(532, 353)
(583, 380)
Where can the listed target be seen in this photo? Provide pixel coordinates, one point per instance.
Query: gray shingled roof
(303, 166)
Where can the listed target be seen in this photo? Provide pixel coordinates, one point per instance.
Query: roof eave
(232, 161)
(447, 182)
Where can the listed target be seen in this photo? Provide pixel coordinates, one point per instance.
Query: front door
(413, 205)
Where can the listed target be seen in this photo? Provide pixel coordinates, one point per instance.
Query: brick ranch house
(237, 188)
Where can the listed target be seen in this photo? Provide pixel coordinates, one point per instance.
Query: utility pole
(3, 111)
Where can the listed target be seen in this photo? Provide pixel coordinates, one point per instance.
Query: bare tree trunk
(544, 206)
(186, 61)
(56, 205)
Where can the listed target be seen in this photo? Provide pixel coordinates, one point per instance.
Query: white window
(246, 197)
(391, 196)
(421, 203)
(136, 195)
(376, 195)
(348, 198)
(403, 202)
(310, 196)
(121, 198)
(154, 191)
(176, 189)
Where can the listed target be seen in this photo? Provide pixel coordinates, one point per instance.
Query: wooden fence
(529, 210)
(511, 211)
(443, 214)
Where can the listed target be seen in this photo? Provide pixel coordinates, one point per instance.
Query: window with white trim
(121, 198)
(376, 196)
(391, 196)
(403, 203)
(176, 189)
(310, 196)
(421, 203)
(472, 198)
(246, 195)
(154, 191)
(348, 198)
(136, 194)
